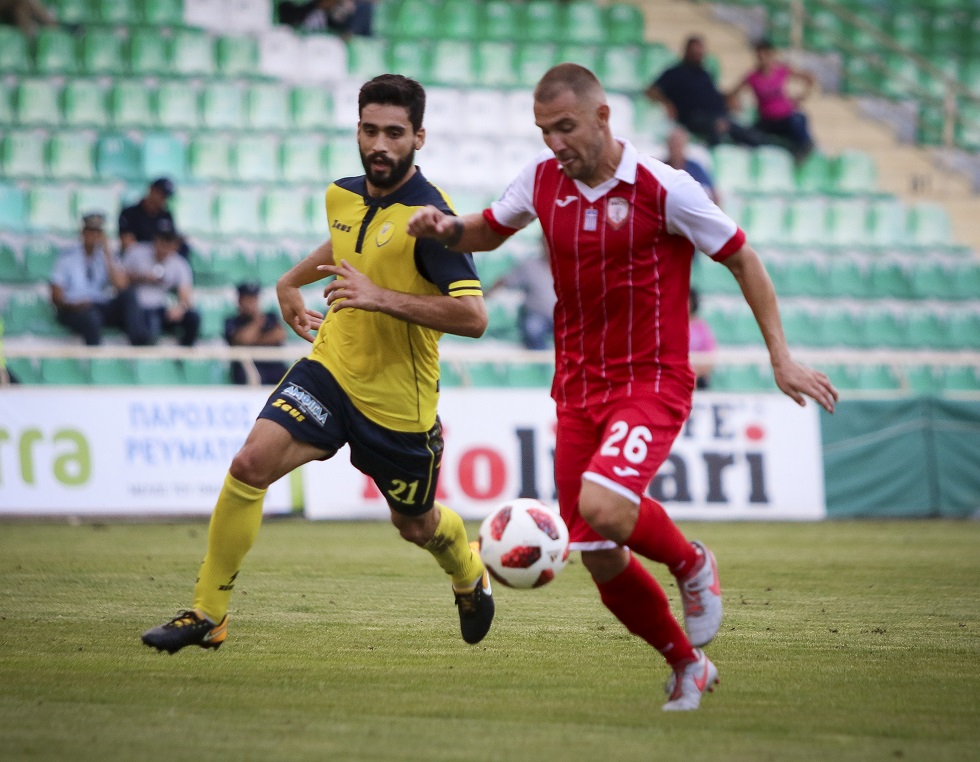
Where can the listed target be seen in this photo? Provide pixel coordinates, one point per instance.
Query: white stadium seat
(324, 59)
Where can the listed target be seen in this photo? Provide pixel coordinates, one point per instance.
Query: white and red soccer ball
(524, 543)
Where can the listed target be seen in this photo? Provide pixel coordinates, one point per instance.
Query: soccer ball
(524, 543)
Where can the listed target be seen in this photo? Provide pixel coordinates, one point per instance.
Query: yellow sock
(453, 551)
(234, 527)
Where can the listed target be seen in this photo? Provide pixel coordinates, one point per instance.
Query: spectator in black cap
(91, 290)
(164, 288)
(251, 327)
(150, 215)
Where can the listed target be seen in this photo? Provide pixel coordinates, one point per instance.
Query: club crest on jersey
(385, 234)
(617, 210)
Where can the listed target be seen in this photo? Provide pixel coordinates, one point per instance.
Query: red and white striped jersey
(621, 257)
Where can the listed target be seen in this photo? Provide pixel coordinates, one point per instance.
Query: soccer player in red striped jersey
(622, 230)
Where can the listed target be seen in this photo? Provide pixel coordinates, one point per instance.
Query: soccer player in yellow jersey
(372, 378)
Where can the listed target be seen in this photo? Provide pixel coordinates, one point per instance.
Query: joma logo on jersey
(307, 402)
(338, 225)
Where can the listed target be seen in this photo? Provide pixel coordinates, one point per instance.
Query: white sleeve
(691, 214)
(515, 207)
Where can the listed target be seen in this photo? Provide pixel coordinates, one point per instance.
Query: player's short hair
(568, 76)
(395, 90)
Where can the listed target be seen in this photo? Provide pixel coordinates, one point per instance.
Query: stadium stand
(252, 120)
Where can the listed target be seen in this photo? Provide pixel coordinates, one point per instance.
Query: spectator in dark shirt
(251, 327)
(343, 17)
(141, 222)
(28, 15)
(690, 96)
(677, 157)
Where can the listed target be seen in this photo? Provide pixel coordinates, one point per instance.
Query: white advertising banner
(738, 457)
(123, 450)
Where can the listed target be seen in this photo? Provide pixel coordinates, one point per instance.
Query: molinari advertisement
(160, 451)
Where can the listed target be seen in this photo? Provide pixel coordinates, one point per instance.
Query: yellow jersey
(389, 367)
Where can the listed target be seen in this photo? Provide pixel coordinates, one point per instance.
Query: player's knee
(606, 564)
(602, 516)
(249, 468)
(414, 529)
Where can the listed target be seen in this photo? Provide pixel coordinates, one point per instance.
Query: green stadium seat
(206, 373)
(847, 223)
(55, 52)
(12, 267)
(415, 20)
(806, 222)
(453, 63)
(209, 157)
(163, 12)
(585, 55)
(887, 223)
(300, 159)
(148, 53)
(929, 225)
(105, 198)
(891, 279)
(883, 328)
(861, 75)
(823, 30)
(222, 106)
(13, 206)
(238, 212)
(932, 280)
(495, 63)
(410, 57)
(270, 263)
(118, 156)
(102, 51)
(311, 107)
(36, 101)
(542, 21)
(650, 119)
(583, 22)
(131, 105)
(909, 29)
(847, 278)
(84, 104)
(855, 173)
(113, 372)
(15, 57)
(806, 278)
(158, 372)
(193, 53)
(740, 378)
(624, 24)
(164, 155)
(267, 107)
(928, 330)
(72, 11)
(765, 221)
(65, 371)
(501, 21)
(285, 212)
(114, 12)
(532, 375)
(365, 57)
(966, 281)
(236, 56)
(962, 378)
(878, 378)
(619, 69)
(50, 208)
(177, 106)
(773, 170)
(230, 265)
(342, 159)
(70, 156)
(733, 168)
(815, 175)
(714, 278)
(22, 154)
(6, 104)
(192, 205)
(459, 20)
(533, 59)
(964, 331)
(257, 158)
(26, 370)
(40, 254)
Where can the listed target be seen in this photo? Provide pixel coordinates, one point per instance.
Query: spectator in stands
(702, 339)
(689, 94)
(251, 327)
(27, 15)
(778, 112)
(536, 317)
(677, 142)
(90, 289)
(157, 270)
(150, 215)
(343, 17)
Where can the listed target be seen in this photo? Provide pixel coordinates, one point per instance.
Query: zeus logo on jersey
(338, 225)
(307, 402)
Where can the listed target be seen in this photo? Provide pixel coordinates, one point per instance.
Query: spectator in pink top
(779, 114)
(702, 339)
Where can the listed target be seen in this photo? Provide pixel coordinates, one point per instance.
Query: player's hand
(304, 322)
(351, 288)
(796, 380)
(429, 222)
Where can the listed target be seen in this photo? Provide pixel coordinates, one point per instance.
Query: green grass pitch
(841, 641)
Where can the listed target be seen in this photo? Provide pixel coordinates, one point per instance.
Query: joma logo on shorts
(310, 404)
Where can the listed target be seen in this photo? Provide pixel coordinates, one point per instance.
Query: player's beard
(396, 170)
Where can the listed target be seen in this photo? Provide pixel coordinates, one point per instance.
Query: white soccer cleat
(688, 684)
(701, 595)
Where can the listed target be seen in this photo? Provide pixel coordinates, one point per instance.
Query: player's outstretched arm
(471, 232)
(794, 379)
(459, 315)
(304, 322)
